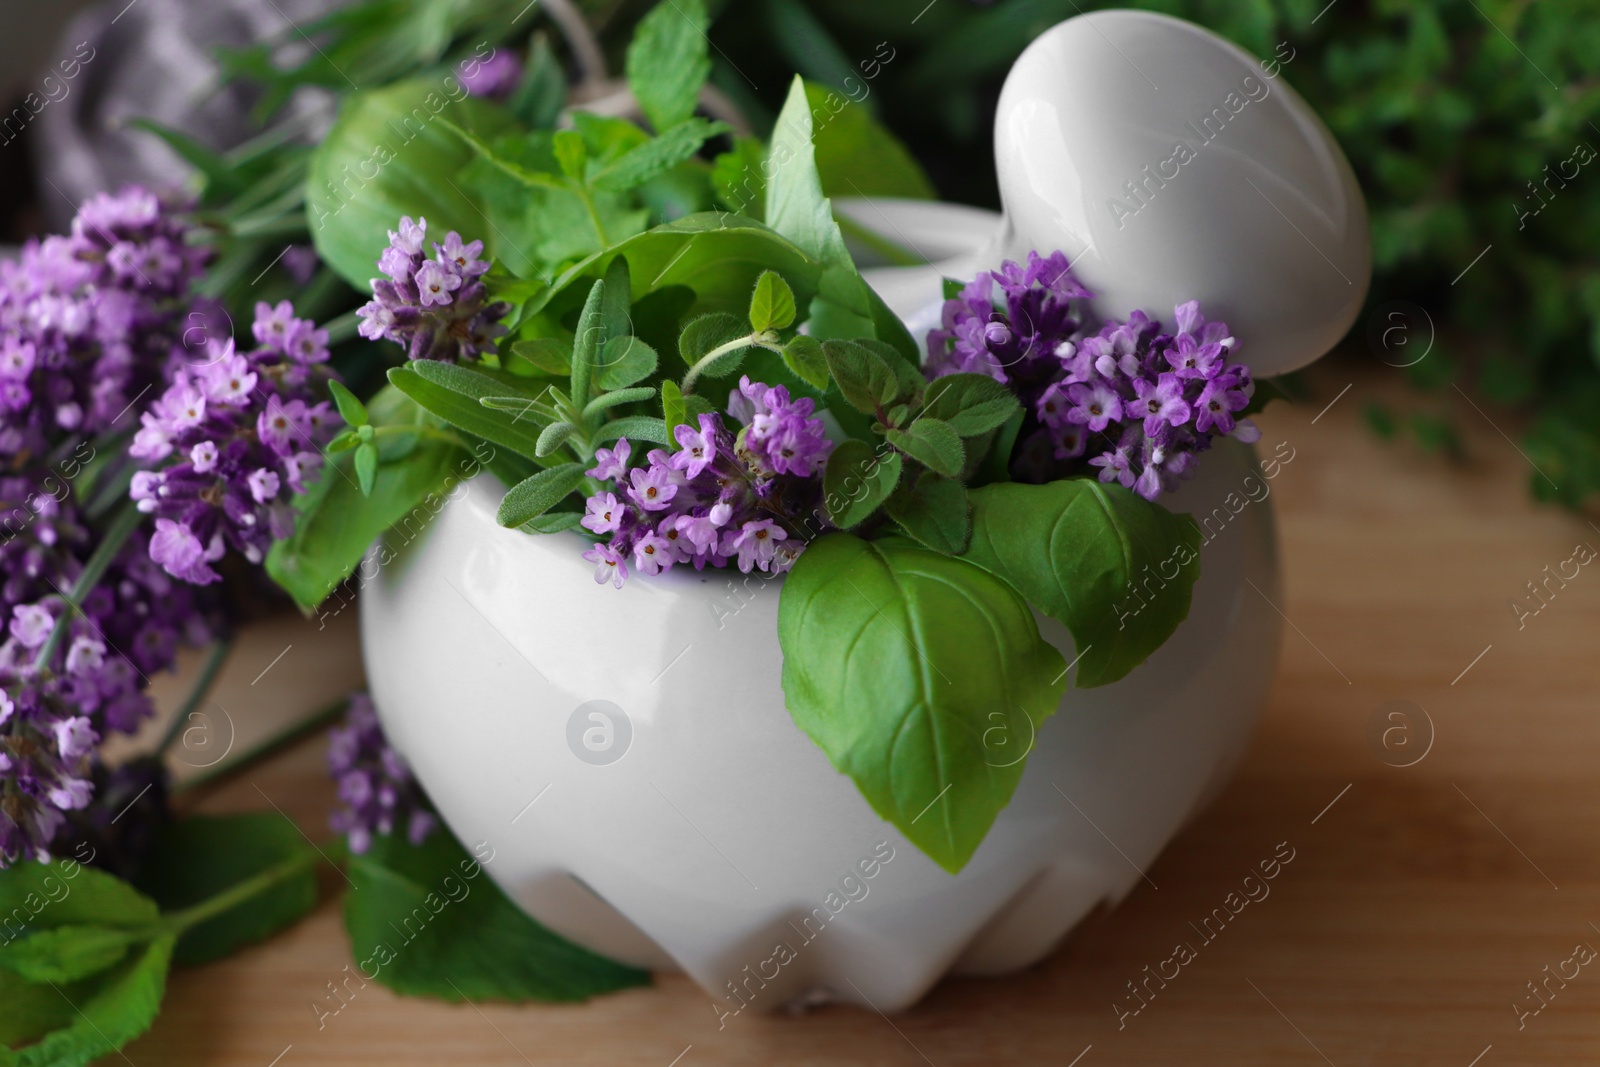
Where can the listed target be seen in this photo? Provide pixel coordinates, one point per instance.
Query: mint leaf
(772, 304)
(932, 443)
(197, 858)
(427, 921)
(1116, 569)
(857, 481)
(939, 651)
(935, 512)
(657, 155)
(108, 1010)
(668, 61)
(532, 498)
(572, 155)
(68, 953)
(972, 404)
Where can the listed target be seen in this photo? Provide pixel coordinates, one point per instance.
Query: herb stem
(215, 776)
(122, 526)
(179, 921)
(766, 339)
(202, 686)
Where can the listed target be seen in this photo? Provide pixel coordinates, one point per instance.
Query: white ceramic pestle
(629, 759)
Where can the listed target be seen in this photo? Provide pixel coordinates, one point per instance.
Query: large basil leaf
(426, 920)
(900, 663)
(387, 155)
(1116, 569)
(858, 156)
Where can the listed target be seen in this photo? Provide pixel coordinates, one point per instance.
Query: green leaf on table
(857, 480)
(936, 512)
(531, 498)
(107, 1010)
(428, 921)
(971, 404)
(68, 953)
(668, 61)
(804, 358)
(932, 443)
(772, 304)
(201, 856)
(657, 155)
(623, 361)
(941, 653)
(1084, 552)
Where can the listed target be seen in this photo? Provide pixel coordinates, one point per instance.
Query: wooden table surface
(1421, 900)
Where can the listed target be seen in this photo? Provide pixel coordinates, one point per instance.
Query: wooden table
(1420, 901)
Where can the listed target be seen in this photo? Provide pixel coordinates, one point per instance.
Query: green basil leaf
(572, 155)
(637, 427)
(1087, 554)
(803, 356)
(547, 355)
(623, 361)
(413, 162)
(668, 61)
(462, 409)
(335, 523)
(797, 209)
(936, 513)
(898, 662)
(772, 305)
(535, 496)
(857, 481)
(366, 463)
(658, 155)
(427, 922)
(739, 179)
(606, 401)
(197, 858)
(68, 953)
(971, 404)
(351, 410)
(933, 444)
(553, 437)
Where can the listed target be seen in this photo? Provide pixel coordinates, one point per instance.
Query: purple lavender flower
(375, 783)
(247, 432)
(435, 308)
(495, 77)
(782, 435)
(1126, 401)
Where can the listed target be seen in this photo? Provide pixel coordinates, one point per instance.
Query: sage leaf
(932, 443)
(531, 498)
(553, 521)
(772, 304)
(587, 343)
(866, 381)
(636, 427)
(614, 399)
(1117, 570)
(553, 437)
(427, 921)
(668, 61)
(935, 512)
(939, 653)
(857, 481)
(971, 404)
(464, 411)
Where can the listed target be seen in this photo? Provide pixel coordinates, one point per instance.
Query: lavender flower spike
(435, 308)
